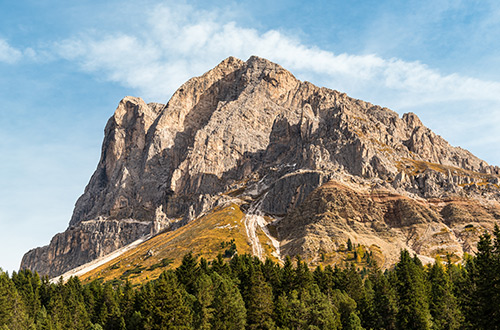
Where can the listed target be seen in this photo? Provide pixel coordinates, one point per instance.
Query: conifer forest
(243, 292)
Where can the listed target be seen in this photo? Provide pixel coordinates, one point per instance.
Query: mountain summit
(310, 167)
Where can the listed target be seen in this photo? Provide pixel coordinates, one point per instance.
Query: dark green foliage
(136, 270)
(307, 309)
(230, 248)
(204, 294)
(246, 293)
(287, 278)
(220, 266)
(347, 309)
(383, 304)
(168, 306)
(163, 263)
(228, 304)
(481, 289)
(443, 304)
(187, 272)
(321, 313)
(303, 278)
(259, 302)
(351, 281)
(349, 245)
(413, 306)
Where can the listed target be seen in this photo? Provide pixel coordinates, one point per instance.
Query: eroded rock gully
(252, 128)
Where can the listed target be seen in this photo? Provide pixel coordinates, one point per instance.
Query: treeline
(246, 293)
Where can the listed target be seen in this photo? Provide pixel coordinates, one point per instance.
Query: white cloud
(172, 44)
(176, 43)
(8, 54)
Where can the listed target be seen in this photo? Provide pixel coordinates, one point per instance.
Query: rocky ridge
(251, 133)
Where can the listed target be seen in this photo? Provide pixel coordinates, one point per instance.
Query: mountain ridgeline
(309, 167)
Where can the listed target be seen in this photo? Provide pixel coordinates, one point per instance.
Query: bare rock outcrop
(252, 131)
(88, 241)
(336, 212)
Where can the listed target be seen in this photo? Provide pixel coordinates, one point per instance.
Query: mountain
(307, 167)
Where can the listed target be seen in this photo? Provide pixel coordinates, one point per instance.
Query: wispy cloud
(176, 43)
(170, 44)
(8, 54)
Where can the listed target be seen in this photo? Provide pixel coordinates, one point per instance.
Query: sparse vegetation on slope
(221, 231)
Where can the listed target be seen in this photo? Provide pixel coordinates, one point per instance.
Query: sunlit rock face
(251, 133)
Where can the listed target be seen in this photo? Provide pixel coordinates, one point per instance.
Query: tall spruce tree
(321, 313)
(290, 311)
(187, 272)
(443, 304)
(303, 278)
(347, 311)
(413, 306)
(482, 310)
(352, 283)
(169, 309)
(13, 314)
(231, 312)
(384, 303)
(203, 310)
(259, 303)
(287, 278)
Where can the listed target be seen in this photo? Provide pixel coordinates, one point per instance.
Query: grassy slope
(207, 236)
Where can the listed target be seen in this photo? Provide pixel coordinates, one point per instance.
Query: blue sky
(64, 66)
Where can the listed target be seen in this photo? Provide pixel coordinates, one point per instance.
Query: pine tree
(28, 286)
(352, 283)
(384, 303)
(92, 295)
(42, 320)
(443, 305)
(327, 279)
(287, 278)
(136, 321)
(7, 290)
(231, 312)
(219, 266)
(482, 310)
(349, 245)
(259, 303)
(187, 272)
(203, 265)
(144, 299)
(303, 278)
(126, 301)
(366, 306)
(242, 269)
(110, 312)
(321, 314)
(291, 312)
(169, 309)
(413, 307)
(13, 314)
(203, 311)
(348, 310)
(67, 307)
(271, 272)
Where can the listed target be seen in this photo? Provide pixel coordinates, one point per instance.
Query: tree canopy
(242, 292)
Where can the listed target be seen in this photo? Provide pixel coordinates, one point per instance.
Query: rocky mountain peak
(412, 120)
(252, 128)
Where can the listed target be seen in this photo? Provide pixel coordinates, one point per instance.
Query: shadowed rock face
(252, 128)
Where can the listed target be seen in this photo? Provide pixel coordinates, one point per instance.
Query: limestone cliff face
(87, 241)
(251, 132)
